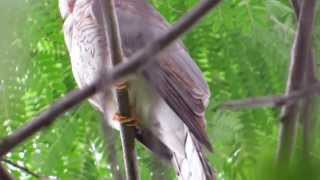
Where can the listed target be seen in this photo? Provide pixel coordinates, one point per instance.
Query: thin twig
(4, 174)
(134, 64)
(22, 168)
(298, 63)
(274, 101)
(127, 133)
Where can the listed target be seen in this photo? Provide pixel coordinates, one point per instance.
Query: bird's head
(66, 7)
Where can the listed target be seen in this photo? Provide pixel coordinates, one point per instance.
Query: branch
(4, 175)
(298, 63)
(24, 169)
(110, 141)
(308, 105)
(296, 4)
(46, 118)
(307, 115)
(134, 64)
(274, 101)
(127, 133)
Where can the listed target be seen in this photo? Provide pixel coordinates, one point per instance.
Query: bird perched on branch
(168, 97)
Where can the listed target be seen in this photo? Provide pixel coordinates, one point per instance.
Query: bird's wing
(179, 82)
(174, 75)
(84, 38)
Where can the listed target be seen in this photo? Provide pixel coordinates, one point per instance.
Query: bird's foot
(128, 121)
(121, 86)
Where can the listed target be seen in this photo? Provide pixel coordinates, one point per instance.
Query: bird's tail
(193, 165)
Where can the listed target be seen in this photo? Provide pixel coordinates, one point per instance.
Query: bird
(168, 97)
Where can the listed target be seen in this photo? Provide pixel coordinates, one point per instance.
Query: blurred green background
(243, 48)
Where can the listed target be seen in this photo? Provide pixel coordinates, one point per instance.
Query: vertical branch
(296, 4)
(127, 132)
(308, 104)
(299, 57)
(4, 175)
(112, 152)
(127, 139)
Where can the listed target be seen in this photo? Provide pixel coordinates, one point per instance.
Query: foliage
(243, 49)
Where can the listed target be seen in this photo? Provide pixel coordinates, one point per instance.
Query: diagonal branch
(24, 169)
(4, 174)
(46, 118)
(127, 133)
(134, 64)
(298, 63)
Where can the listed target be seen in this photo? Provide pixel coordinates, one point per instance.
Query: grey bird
(168, 97)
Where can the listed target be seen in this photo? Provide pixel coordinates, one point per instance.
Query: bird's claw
(128, 121)
(121, 86)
